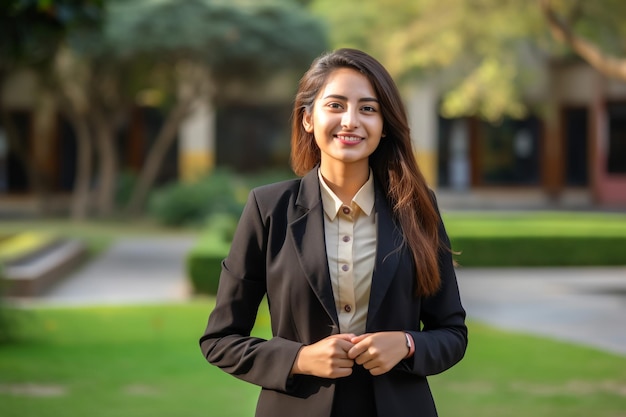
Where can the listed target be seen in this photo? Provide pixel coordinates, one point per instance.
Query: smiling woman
(353, 259)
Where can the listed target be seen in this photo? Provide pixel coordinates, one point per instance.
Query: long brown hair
(393, 162)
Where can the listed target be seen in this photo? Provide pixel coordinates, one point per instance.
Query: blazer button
(347, 308)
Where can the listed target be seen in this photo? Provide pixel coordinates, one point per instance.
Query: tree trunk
(81, 193)
(610, 66)
(166, 137)
(108, 164)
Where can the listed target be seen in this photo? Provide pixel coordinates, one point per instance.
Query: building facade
(576, 146)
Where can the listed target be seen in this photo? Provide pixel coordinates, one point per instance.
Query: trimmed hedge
(526, 251)
(486, 239)
(204, 261)
(204, 264)
(537, 238)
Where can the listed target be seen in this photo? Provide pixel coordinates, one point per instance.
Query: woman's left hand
(379, 352)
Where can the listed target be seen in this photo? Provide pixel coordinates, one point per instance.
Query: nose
(350, 119)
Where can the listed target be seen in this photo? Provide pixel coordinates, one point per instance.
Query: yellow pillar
(196, 152)
(427, 162)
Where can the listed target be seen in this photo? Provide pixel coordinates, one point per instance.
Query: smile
(349, 138)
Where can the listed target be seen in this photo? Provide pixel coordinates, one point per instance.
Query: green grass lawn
(145, 361)
(534, 223)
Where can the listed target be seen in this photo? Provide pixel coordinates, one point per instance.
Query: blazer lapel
(307, 232)
(388, 251)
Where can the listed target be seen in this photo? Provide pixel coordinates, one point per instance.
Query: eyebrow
(340, 97)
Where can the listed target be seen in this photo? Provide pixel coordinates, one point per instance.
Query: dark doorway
(576, 128)
(616, 163)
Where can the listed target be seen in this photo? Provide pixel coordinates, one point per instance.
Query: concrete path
(581, 305)
(134, 270)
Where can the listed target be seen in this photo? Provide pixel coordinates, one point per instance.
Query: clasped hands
(335, 355)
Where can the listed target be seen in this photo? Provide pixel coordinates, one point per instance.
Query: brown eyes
(339, 106)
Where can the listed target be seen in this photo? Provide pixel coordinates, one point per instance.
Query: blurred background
(517, 103)
(131, 132)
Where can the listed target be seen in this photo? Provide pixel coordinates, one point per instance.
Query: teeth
(349, 138)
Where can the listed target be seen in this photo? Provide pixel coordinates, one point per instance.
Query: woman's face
(346, 120)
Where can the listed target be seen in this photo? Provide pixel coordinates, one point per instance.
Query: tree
(579, 14)
(483, 54)
(31, 33)
(95, 96)
(197, 46)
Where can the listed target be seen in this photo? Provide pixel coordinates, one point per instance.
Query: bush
(538, 238)
(204, 261)
(528, 251)
(183, 204)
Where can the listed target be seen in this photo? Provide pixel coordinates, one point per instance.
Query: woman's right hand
(327, 358)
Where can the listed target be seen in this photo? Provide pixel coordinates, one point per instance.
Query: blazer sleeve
(227, 343)
(443, 339)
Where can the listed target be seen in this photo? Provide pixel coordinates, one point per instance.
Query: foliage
(32, 30)
(191, 203)
(204, 263)
(528, 251)
(145, 361)
(601, 45)
(483, 54)
(200, 202)
(537, 239)
(242, 42)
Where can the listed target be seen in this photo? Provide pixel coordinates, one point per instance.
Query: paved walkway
(581, 305)
(134, 270)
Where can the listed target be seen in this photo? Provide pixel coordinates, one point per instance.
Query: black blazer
(278, 250)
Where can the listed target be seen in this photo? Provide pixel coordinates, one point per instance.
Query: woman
(353, 258)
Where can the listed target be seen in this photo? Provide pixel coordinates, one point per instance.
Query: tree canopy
(483, 54)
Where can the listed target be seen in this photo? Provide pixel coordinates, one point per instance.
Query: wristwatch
(409, 344)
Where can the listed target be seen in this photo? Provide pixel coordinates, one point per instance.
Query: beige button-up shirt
(350, 233)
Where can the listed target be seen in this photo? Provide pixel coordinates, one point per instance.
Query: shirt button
(347, 308)
(346, 210)
(345, 268)
(346, 239)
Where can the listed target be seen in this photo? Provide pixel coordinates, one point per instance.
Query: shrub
(538, 238)
(182, 204)
(528, 251)
(204, 261)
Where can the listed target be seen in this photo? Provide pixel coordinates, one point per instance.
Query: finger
(345, 363)
(342, 373)
(357, 350)
(357, 339)
(377, 370)
(343, 336)
(363, 358)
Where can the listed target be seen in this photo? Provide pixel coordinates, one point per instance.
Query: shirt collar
(363, 199)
